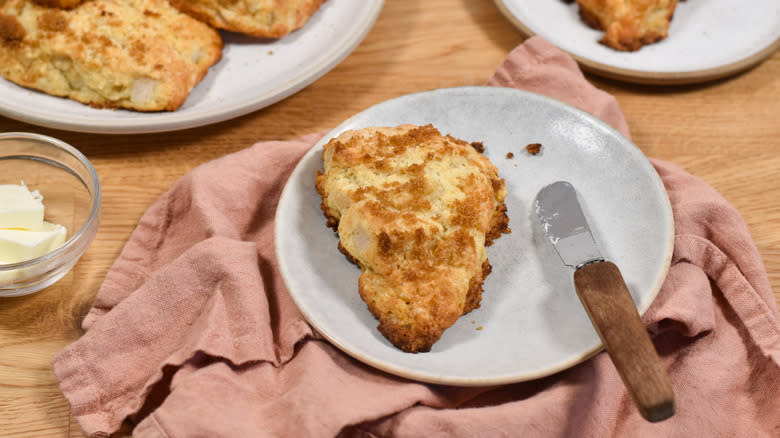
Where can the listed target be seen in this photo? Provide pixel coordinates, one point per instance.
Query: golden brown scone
(138, 54)
(628, 24)
(259, 18)
(415, 210)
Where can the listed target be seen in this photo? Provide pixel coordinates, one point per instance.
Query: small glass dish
(71, 197)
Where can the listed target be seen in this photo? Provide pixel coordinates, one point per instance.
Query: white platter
(707, 39)
(252, 74)
(532, 323)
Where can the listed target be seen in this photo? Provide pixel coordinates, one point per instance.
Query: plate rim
(147, 124)
(654, 78)
(459, 380)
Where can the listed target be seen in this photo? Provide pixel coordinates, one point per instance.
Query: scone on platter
(628, 24)
(415, 210)
(258, 18)
(142, 55)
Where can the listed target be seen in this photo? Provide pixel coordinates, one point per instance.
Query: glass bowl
(71, 197)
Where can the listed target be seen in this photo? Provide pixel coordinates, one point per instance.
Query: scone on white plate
(142, 55)
(258, 18)
(415, 210)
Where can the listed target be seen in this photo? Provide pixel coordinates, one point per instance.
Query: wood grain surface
(726, 132)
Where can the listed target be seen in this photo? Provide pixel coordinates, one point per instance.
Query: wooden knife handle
(606, 298)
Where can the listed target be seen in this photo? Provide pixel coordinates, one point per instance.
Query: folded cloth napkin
(193, 334)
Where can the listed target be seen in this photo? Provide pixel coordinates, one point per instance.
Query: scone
(628, 24)
(142, 55)
(259, 18)
(415, 210)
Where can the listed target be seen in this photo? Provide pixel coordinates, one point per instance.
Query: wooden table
(726, 132)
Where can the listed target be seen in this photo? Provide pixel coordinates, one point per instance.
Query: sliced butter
(18, 245)
(20, 208)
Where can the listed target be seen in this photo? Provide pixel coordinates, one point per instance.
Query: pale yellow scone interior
(628, 24)
(415, 210)
(259, 18)
(142, 55)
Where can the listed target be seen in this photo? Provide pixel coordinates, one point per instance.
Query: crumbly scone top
(415, 209)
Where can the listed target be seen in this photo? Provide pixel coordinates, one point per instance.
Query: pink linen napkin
(193, 334)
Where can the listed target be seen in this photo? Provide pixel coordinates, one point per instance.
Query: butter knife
(607, 301)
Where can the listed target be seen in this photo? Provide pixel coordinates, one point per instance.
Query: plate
(530, 323)
(707, 39)
(252, 74)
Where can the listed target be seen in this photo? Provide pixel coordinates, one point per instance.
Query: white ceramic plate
(532, 323)
(708, 39)
(252, 74)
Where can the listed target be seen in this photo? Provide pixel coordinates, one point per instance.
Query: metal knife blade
(566, 226)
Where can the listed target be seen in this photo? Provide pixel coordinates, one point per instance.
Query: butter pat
(20, 208)
(24, 235)
(19, 245)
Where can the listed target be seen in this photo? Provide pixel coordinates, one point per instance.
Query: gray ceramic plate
(707, 39)
(531, 323)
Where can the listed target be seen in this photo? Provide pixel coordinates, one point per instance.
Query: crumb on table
(510, 155)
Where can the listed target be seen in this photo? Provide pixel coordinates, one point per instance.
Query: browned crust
(499, 224)
(422, 340)
(331, 220)
(285, 17)
(62, 4)
(348, 255)
(631, 28)
(11, 31)
(589, 18)
(421, 336)
(474, 296)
